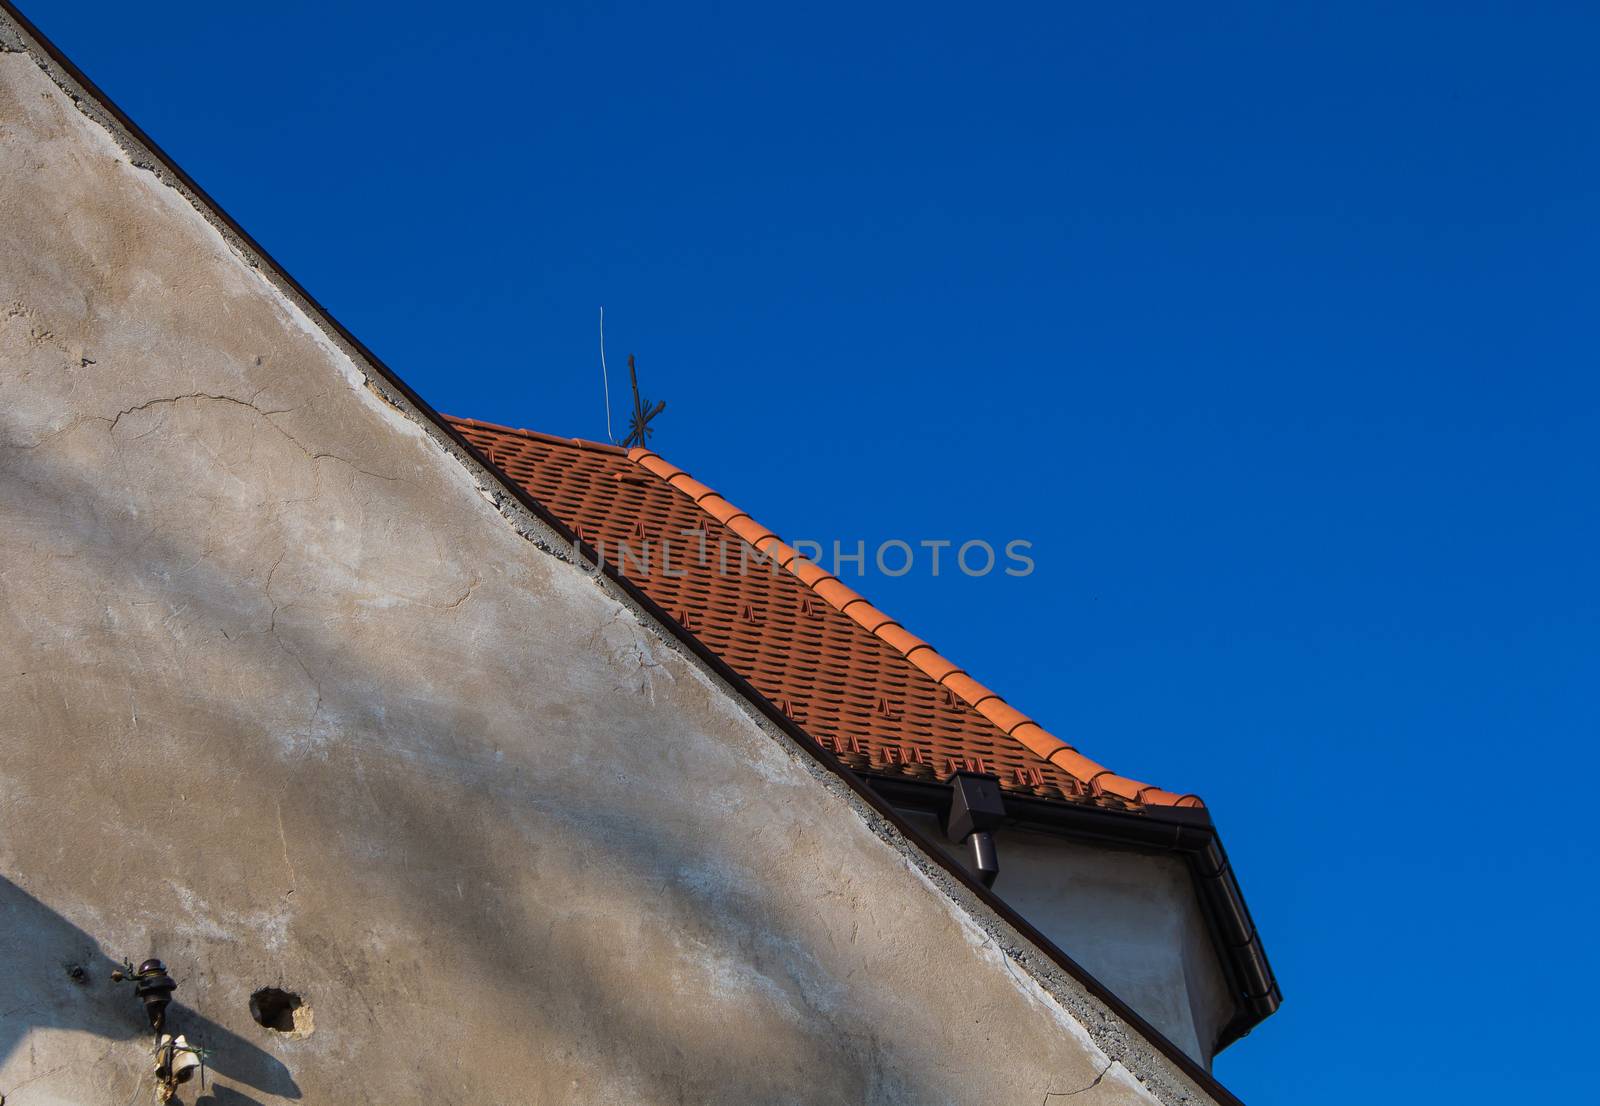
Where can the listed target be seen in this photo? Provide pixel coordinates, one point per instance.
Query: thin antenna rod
(605, 377)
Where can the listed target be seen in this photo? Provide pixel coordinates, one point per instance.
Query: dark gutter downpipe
(985, 858)
(974, 809)
(197, 195)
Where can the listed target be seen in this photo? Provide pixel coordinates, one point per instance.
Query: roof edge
(947, 674)
(1185, 832)
(554, 439)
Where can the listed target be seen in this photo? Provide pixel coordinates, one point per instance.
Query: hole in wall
(281, 1011)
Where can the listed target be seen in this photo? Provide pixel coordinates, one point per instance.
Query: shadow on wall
(40, 950)
(575, 997)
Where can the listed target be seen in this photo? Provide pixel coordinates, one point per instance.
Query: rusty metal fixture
(639, 422)
(153, 986)
(176, 1060)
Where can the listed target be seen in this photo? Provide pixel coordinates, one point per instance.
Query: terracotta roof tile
(926, 658)
(1005, 716)
(809, 573)
(868, 617)
(834, 592)
(1121, 785)
(965, 687)
(1039, 741)
(1080, 766)
(885, 701)
(750, 530)
(898, 637)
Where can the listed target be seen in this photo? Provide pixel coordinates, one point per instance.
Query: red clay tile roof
(883, 700)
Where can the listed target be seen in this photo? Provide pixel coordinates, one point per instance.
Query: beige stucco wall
(1133, 920)
(284, 699)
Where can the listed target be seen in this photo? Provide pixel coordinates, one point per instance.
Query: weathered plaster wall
(287, 700)
(1130, 918)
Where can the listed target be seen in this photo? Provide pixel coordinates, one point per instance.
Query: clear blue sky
(1273, 329)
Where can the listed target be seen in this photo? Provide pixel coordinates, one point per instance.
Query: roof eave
(1185, 832)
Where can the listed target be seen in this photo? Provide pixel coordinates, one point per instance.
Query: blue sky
(1271, 328)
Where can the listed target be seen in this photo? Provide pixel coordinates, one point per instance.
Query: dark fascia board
(1175, 1055)
(1185, 832)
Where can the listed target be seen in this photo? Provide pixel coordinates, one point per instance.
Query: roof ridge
(1002, 715)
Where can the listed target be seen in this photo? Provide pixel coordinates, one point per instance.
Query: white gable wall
(1131, 918)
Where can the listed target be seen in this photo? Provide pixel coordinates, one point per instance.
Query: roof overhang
(1185, 832)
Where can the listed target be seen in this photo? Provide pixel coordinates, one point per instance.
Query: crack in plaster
(1048, 1095)
(272, 629)
(283, 841)
(249, 404)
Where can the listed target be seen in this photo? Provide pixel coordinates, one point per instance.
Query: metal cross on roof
(639, 421)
